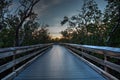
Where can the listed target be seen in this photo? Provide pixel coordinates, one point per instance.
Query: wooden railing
(13, 60)
(106, 58)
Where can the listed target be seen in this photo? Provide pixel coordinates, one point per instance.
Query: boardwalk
(59, 64)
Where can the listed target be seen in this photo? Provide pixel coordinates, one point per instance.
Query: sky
(51, 12)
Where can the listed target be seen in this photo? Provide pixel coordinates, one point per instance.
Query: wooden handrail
(86, 50)
(25, 51)
(2, 50)
(109, 51)
(6, 52)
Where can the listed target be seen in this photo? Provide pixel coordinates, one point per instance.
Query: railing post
(14, 57)
(82, 53)
(105, 59)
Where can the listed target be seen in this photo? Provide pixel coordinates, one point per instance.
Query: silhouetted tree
(25, 12)
(87, 23)
(112, 20)
(4, 4)
(41, 35)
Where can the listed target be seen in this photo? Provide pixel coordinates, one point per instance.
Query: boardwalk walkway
(59, 64)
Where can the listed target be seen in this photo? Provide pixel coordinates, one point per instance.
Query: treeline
(94, 27)
(19, 25)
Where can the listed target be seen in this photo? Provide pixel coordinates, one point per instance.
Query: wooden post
(14, 57)
(105, 59)
(82, 53)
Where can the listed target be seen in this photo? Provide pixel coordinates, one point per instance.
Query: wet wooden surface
(59, 64)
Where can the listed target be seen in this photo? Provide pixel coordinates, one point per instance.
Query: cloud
(43, 5)
(56, 1)
(55, 30)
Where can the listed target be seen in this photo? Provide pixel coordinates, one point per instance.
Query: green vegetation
(21, 27)
(93, 27)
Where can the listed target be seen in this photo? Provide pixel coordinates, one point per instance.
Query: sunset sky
(51, 12)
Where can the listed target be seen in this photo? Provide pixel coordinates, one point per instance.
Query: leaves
(86, 25)
(19, 26)
(66, 19)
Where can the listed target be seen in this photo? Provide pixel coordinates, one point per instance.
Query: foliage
(4, 4)
(112, 21)
(93, 27)
(18, 28)
(41, 35)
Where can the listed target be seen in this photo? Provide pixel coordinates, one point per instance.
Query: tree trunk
(114, 30)
(17, 37)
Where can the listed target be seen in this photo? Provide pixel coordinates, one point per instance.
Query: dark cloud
(52, 11)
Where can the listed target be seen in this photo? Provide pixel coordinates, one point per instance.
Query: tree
(18, 28)
(112, 20)
(4, 4)
(65, 34)
(25, 12)
(88, 22)
(41, 35)
(26, 32)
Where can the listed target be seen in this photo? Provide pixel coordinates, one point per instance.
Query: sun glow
(54, 36)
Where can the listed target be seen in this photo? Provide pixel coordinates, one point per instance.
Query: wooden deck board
(59, 64)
